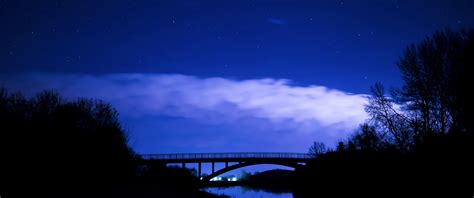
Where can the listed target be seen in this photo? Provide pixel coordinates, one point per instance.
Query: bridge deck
(293, 160)
(223, 157)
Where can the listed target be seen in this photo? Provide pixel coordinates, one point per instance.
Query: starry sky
(219, 76)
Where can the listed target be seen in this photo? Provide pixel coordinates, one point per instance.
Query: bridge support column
(212, 167)
(226, 164)
(199, 170)
(183, 165)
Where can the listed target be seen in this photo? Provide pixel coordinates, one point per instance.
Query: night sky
(219, 76)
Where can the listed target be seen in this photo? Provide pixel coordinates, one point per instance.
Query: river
(240, 191)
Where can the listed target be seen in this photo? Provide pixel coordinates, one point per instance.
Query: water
(240, 191)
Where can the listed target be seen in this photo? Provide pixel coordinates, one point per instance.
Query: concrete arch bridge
(293, 160)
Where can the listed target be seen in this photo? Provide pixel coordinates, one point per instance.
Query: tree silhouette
(317, 148)
(367, 138)
(341, 147)
(48, 141)
(419, 136)
(437, 73)
(390, 120)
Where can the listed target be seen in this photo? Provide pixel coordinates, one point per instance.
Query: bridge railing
(176, 156)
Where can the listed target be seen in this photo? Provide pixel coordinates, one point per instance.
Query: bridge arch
(245, 164)
(244, 159)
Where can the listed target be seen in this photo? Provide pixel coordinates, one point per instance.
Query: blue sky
(219, 76)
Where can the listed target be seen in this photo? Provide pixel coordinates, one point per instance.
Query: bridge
(292, 160)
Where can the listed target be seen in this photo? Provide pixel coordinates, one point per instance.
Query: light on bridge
(216, 179)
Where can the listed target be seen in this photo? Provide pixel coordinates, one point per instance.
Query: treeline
(52, 147)
(274, 181)
(419, 137)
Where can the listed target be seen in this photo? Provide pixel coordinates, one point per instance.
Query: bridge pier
(183, 165)
(226, 164)
(199, 170)
(212, 167)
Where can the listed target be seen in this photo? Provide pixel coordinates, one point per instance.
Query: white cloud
(278, 102)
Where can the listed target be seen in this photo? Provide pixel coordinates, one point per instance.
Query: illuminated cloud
(276, 104)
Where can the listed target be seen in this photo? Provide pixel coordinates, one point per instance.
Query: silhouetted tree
(244, 176)
(351, 146)
(53, 147)
(341, 147)
(317, 148)
(390, 120)
(48, 141)
(426, 69)
(419, 136)
(437, 73)
(367, 139)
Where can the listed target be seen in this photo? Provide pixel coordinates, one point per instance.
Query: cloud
(275, 21)
(273, 104)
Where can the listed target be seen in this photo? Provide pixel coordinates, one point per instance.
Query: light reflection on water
(239, 191)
